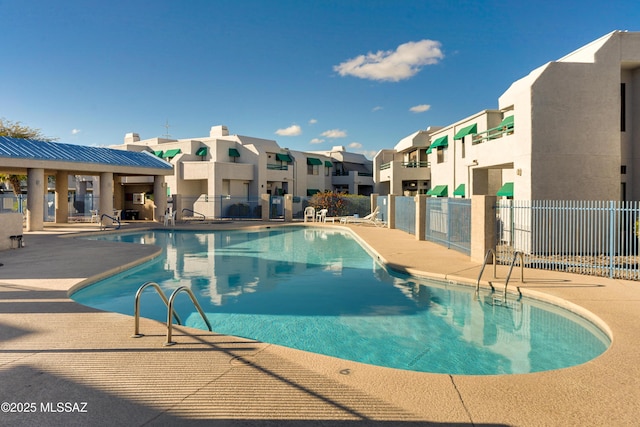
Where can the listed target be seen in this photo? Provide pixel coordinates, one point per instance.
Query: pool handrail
(484, 264)
(516, 254)
(136, 309)
(104, 227)
(170, 310)
(194, 213)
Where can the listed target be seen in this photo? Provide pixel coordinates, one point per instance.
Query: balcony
(414, 164)
(277, 167)
(504, 128)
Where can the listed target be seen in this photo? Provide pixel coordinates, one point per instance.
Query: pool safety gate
(448, 222)
(587, 237)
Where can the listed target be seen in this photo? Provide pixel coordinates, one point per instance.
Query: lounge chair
(372, 219)
(309, 212)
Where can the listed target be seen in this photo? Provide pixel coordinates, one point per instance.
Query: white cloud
(355, 145)
(313, 121)
(316, 141)
(334, 133)
(376, 108)
(75, 131)
(292, 130)
(393, 65)
(420, 108)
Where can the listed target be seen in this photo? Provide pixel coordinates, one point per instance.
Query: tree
(18, 130)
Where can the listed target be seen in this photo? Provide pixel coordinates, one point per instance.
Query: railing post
(266, 206)
(288, 208)
(483, 226)
(421, 215)
(612, 236)
(391, 211)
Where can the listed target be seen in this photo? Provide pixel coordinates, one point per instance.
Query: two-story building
(223, 165)
(570, 129)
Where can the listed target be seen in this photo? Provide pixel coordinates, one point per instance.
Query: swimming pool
(319, 290)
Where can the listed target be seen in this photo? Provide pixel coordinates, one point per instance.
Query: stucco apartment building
(237, 166)
(568, 130)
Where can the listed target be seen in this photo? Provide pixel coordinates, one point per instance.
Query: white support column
(106, 196)
(35, 199)
(62, 197)
(159, 197)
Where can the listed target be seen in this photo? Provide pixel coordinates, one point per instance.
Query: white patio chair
(321, 216)
(309, 212)
(170, 219)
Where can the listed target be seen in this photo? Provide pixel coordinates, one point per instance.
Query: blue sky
(309, 74)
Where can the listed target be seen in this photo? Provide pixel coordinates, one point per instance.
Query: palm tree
(18, 130)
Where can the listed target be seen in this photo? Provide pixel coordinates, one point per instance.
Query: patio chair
(170, 218)
(321, 216)
(95, 215)
(309, 212)
(117, 214)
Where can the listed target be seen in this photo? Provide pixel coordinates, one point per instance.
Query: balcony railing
(278, 167)
(493, 133)
(412, 164)
(415, 164)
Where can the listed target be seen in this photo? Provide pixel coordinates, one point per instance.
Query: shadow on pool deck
(54, 350)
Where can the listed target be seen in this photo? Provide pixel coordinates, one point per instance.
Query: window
(441, 155)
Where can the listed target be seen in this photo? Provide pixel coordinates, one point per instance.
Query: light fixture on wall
(519, 172)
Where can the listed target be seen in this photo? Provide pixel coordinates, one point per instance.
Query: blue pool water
(319, 290)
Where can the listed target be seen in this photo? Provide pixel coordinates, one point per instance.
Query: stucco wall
(10, 225)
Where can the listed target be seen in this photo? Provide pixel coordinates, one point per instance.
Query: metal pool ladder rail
(484, 264)
(171, 313)
(170, 310)
(136, 310)
(491, 252)
(516, 254)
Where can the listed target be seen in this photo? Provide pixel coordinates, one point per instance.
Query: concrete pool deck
(71, 365)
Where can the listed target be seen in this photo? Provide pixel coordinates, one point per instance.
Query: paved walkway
(56, 356)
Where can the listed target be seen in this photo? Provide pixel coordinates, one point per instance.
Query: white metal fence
(588, 237)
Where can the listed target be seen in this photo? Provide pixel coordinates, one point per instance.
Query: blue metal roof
(41, 150)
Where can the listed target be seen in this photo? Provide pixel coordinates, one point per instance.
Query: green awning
(328, 164)
(440, 142)
(312, 191)
(507, 121)
(313, 161)
(233, 152)
(506, 190)
(202, 151)
(158, 153)
(439, 191)
(459, 191)
(428, 150)
(169, 154)
(284, 157)
(472, 129)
